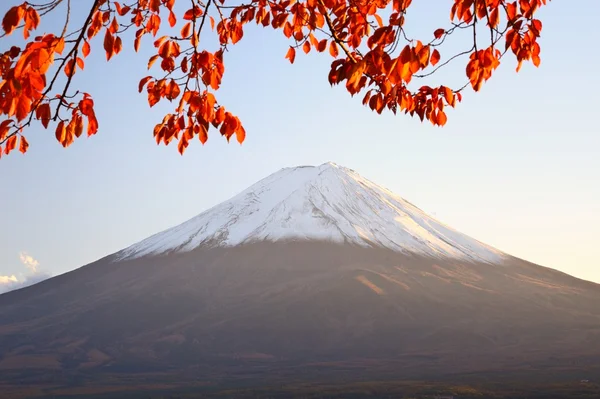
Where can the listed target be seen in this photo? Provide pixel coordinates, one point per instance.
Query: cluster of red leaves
(366, 51)
(24, 89)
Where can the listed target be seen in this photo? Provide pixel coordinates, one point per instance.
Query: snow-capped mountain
(325, 203)
(337, 278)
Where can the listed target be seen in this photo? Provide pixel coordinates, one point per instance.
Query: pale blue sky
(517, 166)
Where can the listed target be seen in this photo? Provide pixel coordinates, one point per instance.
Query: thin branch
(340, 42)
(446, 62)
(475, 24)
(73, 53)
(487, 15)
(64, 31)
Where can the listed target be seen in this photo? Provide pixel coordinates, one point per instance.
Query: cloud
(8, 279)
(32, 276)
(29, 262)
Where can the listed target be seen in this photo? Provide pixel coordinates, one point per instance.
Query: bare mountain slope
(310, 269)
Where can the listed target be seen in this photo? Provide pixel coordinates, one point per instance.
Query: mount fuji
(313, 273)
(323, 203)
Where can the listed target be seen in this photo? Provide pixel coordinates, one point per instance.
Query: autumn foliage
(366, 39)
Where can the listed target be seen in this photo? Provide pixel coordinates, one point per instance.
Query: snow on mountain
(327, 202)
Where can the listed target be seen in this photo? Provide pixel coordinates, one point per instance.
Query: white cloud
(29, 262)
(8, 279)
(32, 276)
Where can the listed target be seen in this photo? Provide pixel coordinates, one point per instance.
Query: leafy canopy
(371, 53)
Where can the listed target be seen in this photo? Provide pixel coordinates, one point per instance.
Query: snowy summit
(327, 202)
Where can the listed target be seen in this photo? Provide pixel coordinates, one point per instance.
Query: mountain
(325, 203)
(311, 273)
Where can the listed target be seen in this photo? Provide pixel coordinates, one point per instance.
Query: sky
(516, 166)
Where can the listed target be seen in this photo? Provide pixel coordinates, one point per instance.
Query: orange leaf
(172, 19)
(186, 30)
(441, 118)
(203, 133)
(333, 50)
(78, 125)
(154, 5)
(240, 134)
(143, 82)
(11, 19)
(511, 11)
(322, 45)
(306, 47)
(23, 145)
(59, 45)
(114, 26)
(494, 18)
(118, 46)
(291, 55)
(70, 67)
(152, 60)
(42, 112)
(61, 132)
(85, 49)
(11, 143)
(23, 107)
(122, 10)
(182, 145)
(109, 42)
(449, 96)
(435, 57)
(287, 29)
(379, 21)
(4, 128)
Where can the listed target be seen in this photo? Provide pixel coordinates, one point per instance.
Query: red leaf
(109, 42)
(11, 143)
(152, 60)
(61, 132)
(23, 145)
(85, 49)
(333, 50)
(441, 118)
(42, 112)
(118, 46)
(435, 57)
(70, 67)
(182, 145)
(240, 134)
(143, 82)
(306, 47)
(186, 30)
(11, 19)
(322, 45)
(291, 55)
(203, 133)
(23, 107)
(439, 33)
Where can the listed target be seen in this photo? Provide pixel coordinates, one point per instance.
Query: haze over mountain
(310, 270)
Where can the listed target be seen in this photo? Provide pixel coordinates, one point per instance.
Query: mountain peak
(327, 202)
(330, 164)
